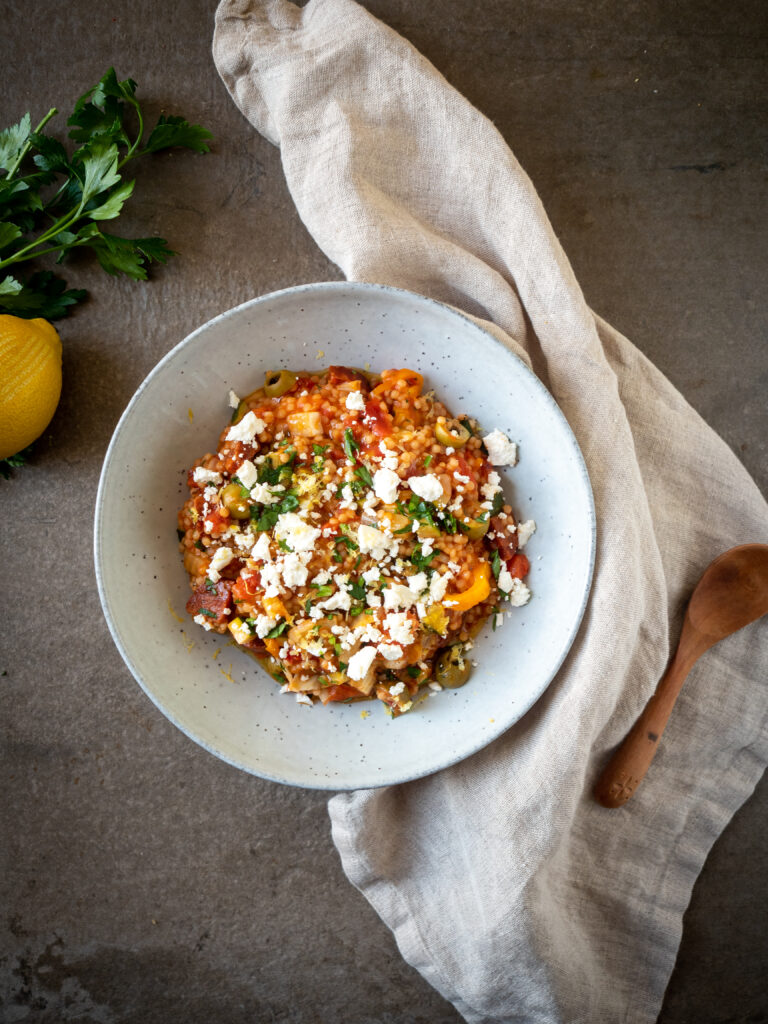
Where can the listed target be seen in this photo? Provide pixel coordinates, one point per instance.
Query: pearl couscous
(352, 535)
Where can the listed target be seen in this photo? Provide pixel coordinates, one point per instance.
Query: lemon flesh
(30, 380)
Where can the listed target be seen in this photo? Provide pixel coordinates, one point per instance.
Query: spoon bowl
(732, 593)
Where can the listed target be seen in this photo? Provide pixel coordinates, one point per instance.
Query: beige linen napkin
(513, 893)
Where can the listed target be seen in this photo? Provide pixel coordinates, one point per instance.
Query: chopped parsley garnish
(208, 612)
(498, 502)
(363, 474)
(413, 671)
(283, 545)
(350, 445)
(210, 586)
(496, 564)
(494, 612)
(277, 630)
(356, 609)
(307, 605)
(319, 449)
(199, 545)
(334, 642)
(265, 516)
(427, 461)
(420, 560)
(357, 590)
(324, 591)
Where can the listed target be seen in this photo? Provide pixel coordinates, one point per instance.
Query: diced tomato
(215, 523)
(246, 588)
(302, 384)
(377, 418)
(518, 566)
(236, 453)
(343, 374)
(214, 606)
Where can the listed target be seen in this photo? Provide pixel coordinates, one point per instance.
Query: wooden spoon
(732, 593)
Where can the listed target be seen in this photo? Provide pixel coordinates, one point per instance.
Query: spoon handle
(626, 769)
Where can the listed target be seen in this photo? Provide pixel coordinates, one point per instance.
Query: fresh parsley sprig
(52, 201)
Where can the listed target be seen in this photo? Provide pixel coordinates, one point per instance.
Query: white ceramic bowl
(218, 695)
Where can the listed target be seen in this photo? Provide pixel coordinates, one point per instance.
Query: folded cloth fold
(505, 884)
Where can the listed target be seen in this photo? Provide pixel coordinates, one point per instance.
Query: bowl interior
(218, 695)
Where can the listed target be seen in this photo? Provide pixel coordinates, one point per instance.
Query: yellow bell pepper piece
(480, 589)
(239, 631)
(275, 608)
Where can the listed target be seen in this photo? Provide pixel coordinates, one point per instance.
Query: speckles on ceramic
(238, 713)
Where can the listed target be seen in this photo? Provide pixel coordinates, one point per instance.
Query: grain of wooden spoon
(732, 593)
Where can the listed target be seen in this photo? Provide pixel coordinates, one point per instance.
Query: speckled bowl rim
(521, 709)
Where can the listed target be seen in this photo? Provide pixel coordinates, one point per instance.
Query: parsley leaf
(350, 444)
(277, 630)
(86, 189)
(496, 564)
(420, 560)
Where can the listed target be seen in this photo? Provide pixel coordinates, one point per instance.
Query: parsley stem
(26, 147)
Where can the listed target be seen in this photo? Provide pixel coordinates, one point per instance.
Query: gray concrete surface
(144, 882)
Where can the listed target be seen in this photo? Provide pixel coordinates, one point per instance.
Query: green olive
(452, 669)
(451, 434)
(277, 382)
(234, 498)
(475, 529)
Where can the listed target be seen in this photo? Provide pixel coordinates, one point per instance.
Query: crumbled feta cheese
(304, 698)
(398, 596)
(322, 577)
(519, 594)
(372, 599)
(490, 489)
(355, 401)
(498, 620)
(371, 575)
(260, 550)
(435, 687)
(264, 623)
(247, 473)
(525, 531)
(421, 610)
(373, 541)
(501, 451)
(270, 579)
(220, 558)
(399, 627)
(391, 652)
(294, 571)
(438, 586)
(427, 487)
(340, 600)
(385, 484)
(244, 541)
(347, 497)
(298, 535)
(397, 689)
(206, 476)
(247, 429)
(316, 613)
(263, 494)
(417, 583)
(234, 401)
(505, 580)
(202, 621)
(211, 495)
(461, 479)
(360, 662)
